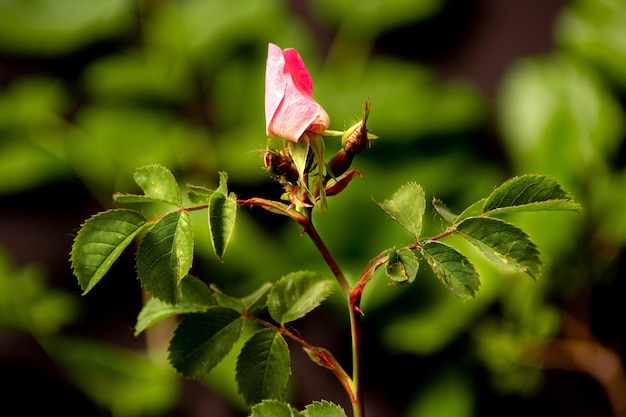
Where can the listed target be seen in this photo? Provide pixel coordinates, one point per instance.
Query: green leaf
(503, 244)
(248, 303)
(452, 268)
(299, 152)
(406, 207)
(296, 294)
(323, 409)
(529, 193)
(401, 265)
(475, 209)
(158, 185)
(263, 367)
(443, 210)
(100, 241)
(198, 194)
(273, 408)
(165, 255)
(196, 297)
(222, 215)
(202, 340)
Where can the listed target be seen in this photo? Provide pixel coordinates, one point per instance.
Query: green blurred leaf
(594, 30)
(158, 185)
(401, 265)
(323, 409)
(503, 244)
(452, 268)
(118, 379)
(196, 297)
(202, 340)
(100, 241)
(296, 294)
(453, 385)
(378, 14)
(559, 118)
(164, 256)
(406, 207)
(49, 27)
(29, 304)
(529, 193)
(263, 367)
(273, 408)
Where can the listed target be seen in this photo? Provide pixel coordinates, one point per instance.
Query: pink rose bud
(290, 109)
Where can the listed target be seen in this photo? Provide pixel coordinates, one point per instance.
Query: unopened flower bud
(356, 139)
(279, 162)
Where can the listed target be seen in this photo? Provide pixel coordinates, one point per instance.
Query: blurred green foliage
(92, 90)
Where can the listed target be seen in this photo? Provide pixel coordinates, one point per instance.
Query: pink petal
(294, 65)
(275, 81)
(290, 109)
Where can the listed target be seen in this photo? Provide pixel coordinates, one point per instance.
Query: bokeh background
(464, 95)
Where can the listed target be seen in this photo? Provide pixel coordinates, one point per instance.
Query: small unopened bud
(356, 139)
(279, 162)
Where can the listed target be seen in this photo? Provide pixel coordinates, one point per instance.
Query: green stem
(355, 324)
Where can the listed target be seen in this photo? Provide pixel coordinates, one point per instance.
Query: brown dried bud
(279, 162)
(340, 162)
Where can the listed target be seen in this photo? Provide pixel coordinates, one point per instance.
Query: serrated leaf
(222, 215)
(503, 244)
(99, 243)
(196, 297)
(242, 304)
(165, 255)
(296, 294)
(198, 194)
(273, 408)
(452, 268)
(474, 209)
(401, 265)
(529, 193)
(323, 409)
(443, 210)
(158, 184)
(263, 367)
(406, 207)
(202, 340)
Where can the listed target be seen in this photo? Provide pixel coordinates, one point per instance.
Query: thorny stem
(353, 294)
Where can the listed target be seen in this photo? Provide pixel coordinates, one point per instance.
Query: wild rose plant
(211, 322)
